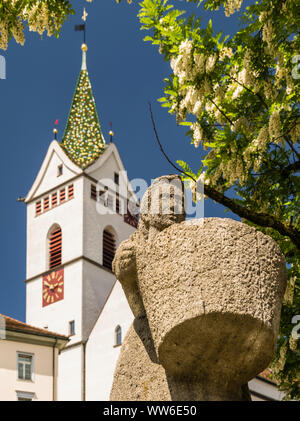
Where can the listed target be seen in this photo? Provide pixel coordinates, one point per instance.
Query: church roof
(83, 140)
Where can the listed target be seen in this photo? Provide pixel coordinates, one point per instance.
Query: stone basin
(212, 290)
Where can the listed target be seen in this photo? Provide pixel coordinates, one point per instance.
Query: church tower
(77, 214)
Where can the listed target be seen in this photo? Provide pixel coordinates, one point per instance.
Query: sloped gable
(47, 177)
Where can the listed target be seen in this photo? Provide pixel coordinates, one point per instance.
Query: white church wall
(51, 178)
(97, 284)
(70, 374)
(107, 168)
(101, 353)
(56, 316)
(69, 215)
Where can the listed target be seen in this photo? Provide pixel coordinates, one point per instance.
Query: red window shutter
(93, 192)
(109, 248)
(38, 208)
(70, 191)
(117, 203)
(62, 195)
(46, 203)
(55, 248)
(54, 199)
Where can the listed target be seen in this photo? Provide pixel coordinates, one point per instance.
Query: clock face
(53, 287)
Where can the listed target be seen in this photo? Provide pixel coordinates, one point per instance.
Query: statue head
(163, 203)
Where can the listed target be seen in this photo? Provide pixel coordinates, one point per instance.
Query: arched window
(118, 335)
(55, 247)
(109, 248)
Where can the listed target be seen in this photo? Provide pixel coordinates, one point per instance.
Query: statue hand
(124, 263)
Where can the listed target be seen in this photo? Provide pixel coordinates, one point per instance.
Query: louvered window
(71, 191)
(117, 203)
(93, 192)
(62, 195)
(46, 203)
(55, 248)
(38, 208)
(54, 199)
(109, 247)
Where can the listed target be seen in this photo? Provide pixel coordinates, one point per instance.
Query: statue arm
(124, 267)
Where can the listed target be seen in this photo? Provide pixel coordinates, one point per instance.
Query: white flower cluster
(233, 170)
(240, 123)
(186, 66)
(268, 34)
(197, 134)
(254, 151)
(39, 19)
(231, 6)
(225, 52)
(182, 64)
(3, 35)
(275, 126)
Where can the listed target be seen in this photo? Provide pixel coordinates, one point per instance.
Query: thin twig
(262, 219)
(161, 148)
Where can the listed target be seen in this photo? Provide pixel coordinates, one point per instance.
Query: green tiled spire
(83, 140)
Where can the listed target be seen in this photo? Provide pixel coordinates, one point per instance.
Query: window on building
(72, 327)
(46, 203)
(55, 248)
(116, 178)
(117, 203)
(25, 396)
(54, 200)
(62, 195)
(118, 335)
(38, 208)
(59, 170)
(25, 366)
(109, 247)
(71, 191)
(93, 192)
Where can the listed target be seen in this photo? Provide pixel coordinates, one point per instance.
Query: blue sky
(126, 73)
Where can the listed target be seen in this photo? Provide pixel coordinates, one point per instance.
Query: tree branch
(262, 219)
(249, 90)
(290, 169)
(221, 111)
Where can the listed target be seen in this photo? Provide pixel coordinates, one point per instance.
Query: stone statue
(206, 295)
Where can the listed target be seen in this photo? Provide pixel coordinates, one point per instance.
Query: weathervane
(82, 27)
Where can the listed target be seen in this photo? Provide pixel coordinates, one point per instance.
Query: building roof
(15, 325)
(83, 140)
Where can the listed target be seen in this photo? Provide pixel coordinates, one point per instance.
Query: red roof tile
(16, 325)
